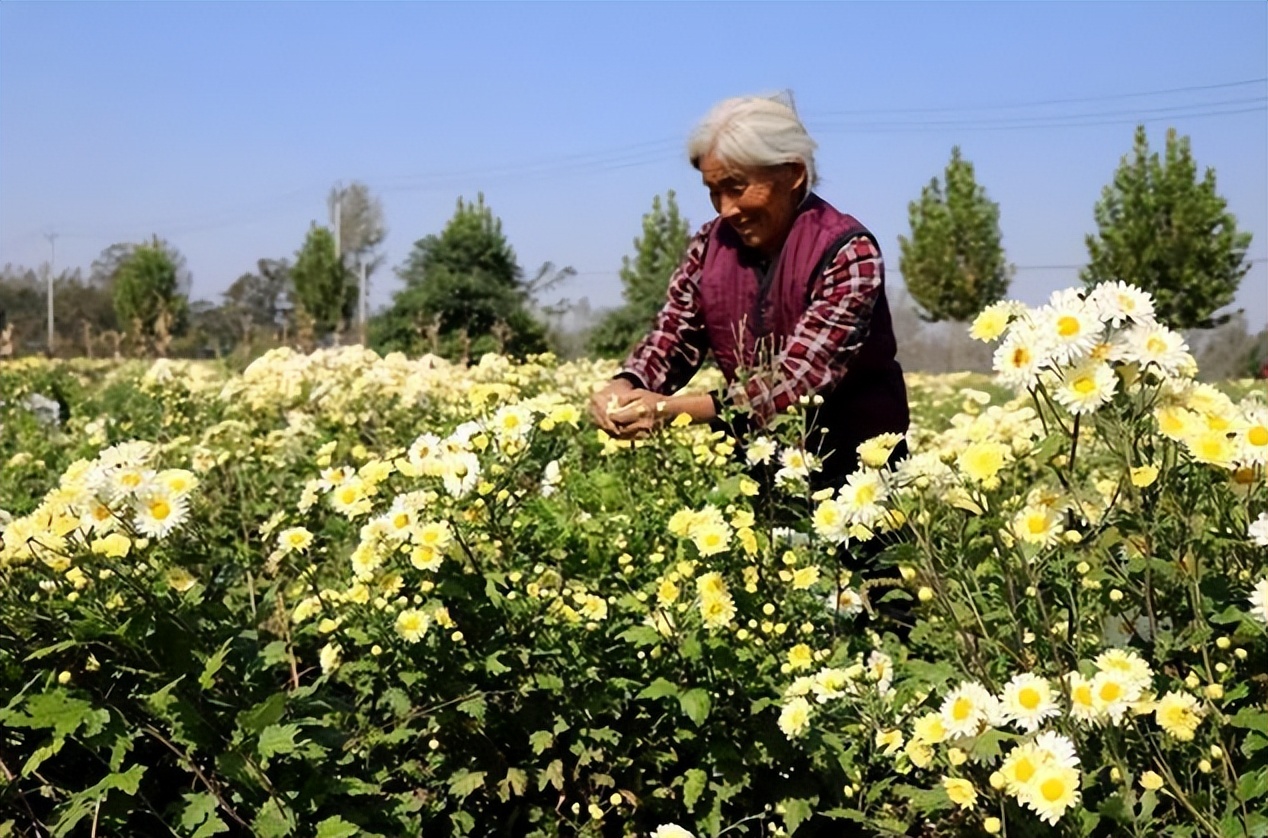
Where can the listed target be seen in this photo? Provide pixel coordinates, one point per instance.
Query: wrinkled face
(758, 203)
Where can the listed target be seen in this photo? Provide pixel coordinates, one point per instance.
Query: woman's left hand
(638, 413)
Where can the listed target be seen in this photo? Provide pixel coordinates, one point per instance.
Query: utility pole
(361, 314)
(52, 263)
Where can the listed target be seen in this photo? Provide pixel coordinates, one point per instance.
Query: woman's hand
(606, 399)
(636, 414)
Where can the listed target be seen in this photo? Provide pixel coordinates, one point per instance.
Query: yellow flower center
(1084, 384)
(1082, 694)
(1021, 356)
(1156, 345)
(961, 709)
(1068, 326)
(401, 521)
(1257, 436)
(1025, 770)
(160, 510)
(1037, 524)
(1028, 698)
(1052, 789)
(131, 479)
(1110, 691)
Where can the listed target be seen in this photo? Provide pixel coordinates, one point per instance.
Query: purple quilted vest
(747, 318)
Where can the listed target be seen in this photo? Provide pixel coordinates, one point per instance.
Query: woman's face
(758, 203)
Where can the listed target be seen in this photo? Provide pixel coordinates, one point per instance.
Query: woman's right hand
(602, 400)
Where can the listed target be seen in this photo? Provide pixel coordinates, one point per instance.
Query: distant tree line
(1159, 226)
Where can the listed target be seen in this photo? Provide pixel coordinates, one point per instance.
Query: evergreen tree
(953, 265)
(320, 282)
(464, 286)
(150, 283)
(645, 278)
(1162, 229)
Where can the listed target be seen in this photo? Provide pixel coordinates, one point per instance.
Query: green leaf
(550, 682)
(207, 679)
(693, 786)
(337, 827)
(50, 650)
(1250, 718)
(474, 707)
(541, 740)
(1253, 784)
(63, 713)
(267, 712)
(515, 782)
(464, 782)
(494, 666)
(1116, 808)
(554, 774)
(658, 689)
(198, 808)
(985, 747)
(212, 826)
(272, 822)
(797, 811)
(641, 636)
(695, 703)
(925, 801)
(278, 739)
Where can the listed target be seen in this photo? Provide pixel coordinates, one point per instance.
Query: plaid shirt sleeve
(825, 340)
(669, 356)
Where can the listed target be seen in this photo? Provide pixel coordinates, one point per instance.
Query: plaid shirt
(815, 358)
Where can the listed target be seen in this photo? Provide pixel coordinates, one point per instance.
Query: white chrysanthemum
(967, 709)
(794, 719)
(1052, 792)
(1086, 387)
(796, 465)
(671, 830)
(1055, 749)
(1259, 601)
(1083, 706)
(759, 450)
(512, 422)
(411, 625)
(847, 601)
(1117, 302)
(831, 521)
(1020, 357)
(1127, 663)
(1258, 530)
(551, 478)
(1252, 435)
(862, 495)
(1037, 524)
(712, 537)
(1113, 693)
(158, 513)
(98, 518)
(1027, 701)
(993, 321)
(1070, 327)
(131, 454)
(128, 481)
(1155, 344)
(880, 670)
(460, 471)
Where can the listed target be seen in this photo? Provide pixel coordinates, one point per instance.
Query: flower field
(341, 595)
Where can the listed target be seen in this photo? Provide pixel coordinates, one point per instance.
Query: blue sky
(222, 126)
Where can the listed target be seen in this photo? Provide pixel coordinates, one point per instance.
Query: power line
(1047, 102)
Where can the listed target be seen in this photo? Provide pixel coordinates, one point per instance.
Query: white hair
(754, 131)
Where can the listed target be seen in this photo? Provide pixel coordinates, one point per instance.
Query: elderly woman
(787, 292)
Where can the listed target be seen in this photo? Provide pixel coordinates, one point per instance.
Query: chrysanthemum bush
(341, 594)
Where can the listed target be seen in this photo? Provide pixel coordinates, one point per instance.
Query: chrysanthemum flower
(1135, 671)
(158, 513)
(1259, 598)
(1117, 302)
(711, 538)
(960, 791)
(1038, 525)
(992, 321)
(1086, 387)
(967, 709)
(759, 450)
(1019, 359)
(831, 521)
(1151, 344)
(412, 624)
(1052, 791)
(875, 452)
(1027, 701)
(794, 719)
(929, 728)
(862, 496)
(1252, 437)
(1179, 714)
(1069, 326)
(981, 461)
(1083, 706)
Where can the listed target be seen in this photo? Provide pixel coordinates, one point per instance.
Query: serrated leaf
(1250, 718)
(541, 740)
(474, 707)
(693, 786)
(464, 783)
(550, 682)
(494, 666)
(271, 821)
(554, 774)
(198, 807)
(50, 650)
(214, 664)
(278, 739)
(796, 812)
(1253, 784)
(658, 689)
(695, 704)
(337, 827)
(516, 781)
(640, 636)
(212, 826)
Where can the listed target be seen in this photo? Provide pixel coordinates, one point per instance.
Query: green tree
(149, 283)
(645, 279)
(320, 281)
(953, 265)
(464, 289)
(1162, 229)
